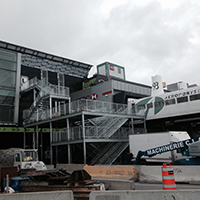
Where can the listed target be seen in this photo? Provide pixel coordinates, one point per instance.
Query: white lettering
(187, 142)
(153, 151)
(149, 152)
(157, 150)
(181, 144)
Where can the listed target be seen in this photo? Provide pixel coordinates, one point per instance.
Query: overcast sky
(147, 37)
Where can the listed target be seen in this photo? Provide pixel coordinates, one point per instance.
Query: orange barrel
(168, 177)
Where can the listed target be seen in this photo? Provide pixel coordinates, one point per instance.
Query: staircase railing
(46, 88)
(109, 154)
(115, 153)
(89, 106)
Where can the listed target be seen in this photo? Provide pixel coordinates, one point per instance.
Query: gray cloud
(146, 39)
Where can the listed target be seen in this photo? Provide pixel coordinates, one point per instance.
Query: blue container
(15, 182)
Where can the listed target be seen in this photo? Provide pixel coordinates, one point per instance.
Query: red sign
(112, 67)
(94, 96)
(105, 93)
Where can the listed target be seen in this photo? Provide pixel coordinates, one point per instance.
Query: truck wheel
(179, 163)
(142, 162)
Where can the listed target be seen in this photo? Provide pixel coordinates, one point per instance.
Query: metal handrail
(46, 88)
(86, 105)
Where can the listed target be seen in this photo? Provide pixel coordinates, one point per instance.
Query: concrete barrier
(110, 171)
(58, 195)
(50, 167)
(116, 183)
(183, 174)
(70, 167)
(145, 194)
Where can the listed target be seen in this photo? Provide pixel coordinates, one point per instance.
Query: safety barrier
(111, 171)
(183, 174)
(58, 195)
(147, 194)
(168, 179)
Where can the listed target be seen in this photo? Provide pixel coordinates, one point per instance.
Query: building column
(37, 138)
(41, 144)
(51, 139)
(84, 143)
(132, 126)
(34, 139)
(145, 128)
(68, 145)
(24, 138)
(50, 108)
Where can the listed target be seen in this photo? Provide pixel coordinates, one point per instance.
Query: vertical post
(56, 155)
(7, 183)
(84, 144)
(24, 138)
(56, 106)
(41, 153)
(34, 139)
(50, 107)
(34, 97)
(37, 139)
(145, 128)
(51, 151)
(68, 138)
(132, 125)
(59, 110)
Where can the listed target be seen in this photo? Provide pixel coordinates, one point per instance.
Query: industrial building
(48, 102)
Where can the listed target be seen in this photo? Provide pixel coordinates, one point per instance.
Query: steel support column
(145, 128)
(51, 139)
(24, 138)
(37, 138)
(84, 144)
(68, 145)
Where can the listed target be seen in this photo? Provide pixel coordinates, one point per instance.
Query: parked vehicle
(28, 159)
(164, 147)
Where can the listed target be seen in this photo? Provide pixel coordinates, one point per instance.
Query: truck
(28, 159)
(172, 147)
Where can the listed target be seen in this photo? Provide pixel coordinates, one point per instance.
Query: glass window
(7, 78)
(29, 156)
(17, 157)
(7, 93)
(182, 99)
(150, 105)
(170, 102)
(159, 104)
(7, 100)
(8, 55)
(119, 70)
(62, 80)
(140, 107)
(8, 65)
(7, 113)
(194, 97)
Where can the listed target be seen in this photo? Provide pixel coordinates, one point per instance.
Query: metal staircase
(109, 154)
(45, 90)
(106, 129)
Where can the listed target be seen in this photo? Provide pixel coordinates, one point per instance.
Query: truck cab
(28, 159)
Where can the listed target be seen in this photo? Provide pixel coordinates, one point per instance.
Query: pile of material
(7, 156)
(51, 180)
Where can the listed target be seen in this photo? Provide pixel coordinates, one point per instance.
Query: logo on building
(112, 67)
(94, 96)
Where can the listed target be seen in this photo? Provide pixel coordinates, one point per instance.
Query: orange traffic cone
(168, 177)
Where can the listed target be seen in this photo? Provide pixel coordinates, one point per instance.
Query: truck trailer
(151, 148)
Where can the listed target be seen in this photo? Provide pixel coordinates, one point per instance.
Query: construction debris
(78, 181)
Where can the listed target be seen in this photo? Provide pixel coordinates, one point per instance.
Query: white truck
(162, 147)
(28, 159)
